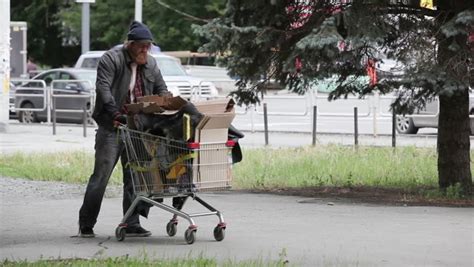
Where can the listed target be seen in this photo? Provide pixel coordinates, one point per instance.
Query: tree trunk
(454, 163)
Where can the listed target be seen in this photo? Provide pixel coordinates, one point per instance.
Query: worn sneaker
(137, 231)
(86, 232)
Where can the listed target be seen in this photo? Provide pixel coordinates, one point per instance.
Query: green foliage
(452, 192)
(300, 43)
(54, 26)
(45, 43)
(262, 40)
(172, 30)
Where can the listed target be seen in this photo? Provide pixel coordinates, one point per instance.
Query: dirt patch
(371, 195)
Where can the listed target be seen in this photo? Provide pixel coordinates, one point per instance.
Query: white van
(178, 81)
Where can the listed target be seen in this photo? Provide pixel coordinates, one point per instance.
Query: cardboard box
(214, 126)
(215, 106)
(213, 167)
(214, 170)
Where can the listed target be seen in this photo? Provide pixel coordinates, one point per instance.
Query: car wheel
(405, 125)
(27, 116)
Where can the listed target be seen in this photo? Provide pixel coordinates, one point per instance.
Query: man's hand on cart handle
(120, 119)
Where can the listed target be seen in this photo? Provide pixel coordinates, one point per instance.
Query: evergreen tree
(299, 42)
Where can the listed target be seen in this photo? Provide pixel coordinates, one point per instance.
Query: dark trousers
(108, 149)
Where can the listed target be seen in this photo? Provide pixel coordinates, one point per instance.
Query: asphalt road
(303, 231)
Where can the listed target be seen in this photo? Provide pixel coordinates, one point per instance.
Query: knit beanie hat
(139, 32)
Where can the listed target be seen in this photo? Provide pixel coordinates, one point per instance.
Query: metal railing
(31, 85)
(187, 90)
(311, 99)
(389, 114)
(81, 94)
(197, 91)
(347, 114)
(49, 95)
(312, 107)
(290, 98)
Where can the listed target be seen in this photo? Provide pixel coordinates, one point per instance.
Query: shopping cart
(165, 168)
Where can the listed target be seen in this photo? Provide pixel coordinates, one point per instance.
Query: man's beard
(140, 58)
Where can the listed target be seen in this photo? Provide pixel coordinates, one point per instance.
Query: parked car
(203, 65)
(178, 81)
(11, 101)
(30, 98)
(427, 118)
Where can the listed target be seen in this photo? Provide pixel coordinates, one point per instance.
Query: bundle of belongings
(170, 124)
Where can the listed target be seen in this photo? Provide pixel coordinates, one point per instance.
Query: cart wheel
(219, 233)
(190, 235)
(120, 233)
(172, 228)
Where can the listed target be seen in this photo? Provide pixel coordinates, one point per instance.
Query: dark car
(32, 97)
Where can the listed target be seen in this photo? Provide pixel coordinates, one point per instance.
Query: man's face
(138, 51)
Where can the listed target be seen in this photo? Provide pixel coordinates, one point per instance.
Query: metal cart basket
(162, 167)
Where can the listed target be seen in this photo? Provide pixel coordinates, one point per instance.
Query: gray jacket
(113, 80)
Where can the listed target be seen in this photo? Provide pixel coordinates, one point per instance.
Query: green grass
(337, 166)
(70, 167)
(139, 262)
(332, 165)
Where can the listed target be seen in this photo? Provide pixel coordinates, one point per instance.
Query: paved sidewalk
(40, 138)
(304, 231)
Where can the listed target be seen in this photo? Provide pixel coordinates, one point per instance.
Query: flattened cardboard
(152, 108)
(222, 120)
(168, 103)
(145, 107)
(134, 108)
(215, 106)
(175, 103)
(160, 100)
(157, 104)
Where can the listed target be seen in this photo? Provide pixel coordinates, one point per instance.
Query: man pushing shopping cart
(152, 167)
